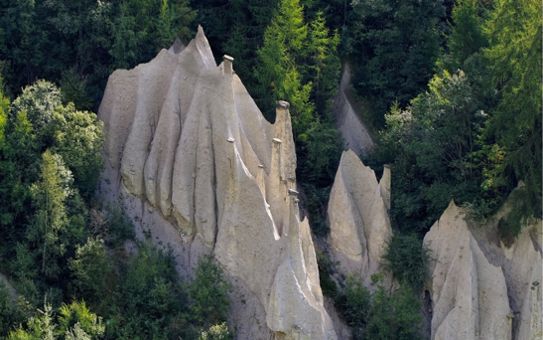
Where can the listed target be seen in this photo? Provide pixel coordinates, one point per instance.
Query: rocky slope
(198, 169)
(480, 288)
(358, 218)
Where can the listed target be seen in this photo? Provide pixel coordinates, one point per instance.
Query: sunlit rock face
(481, 288)
(358, 218)
(198, 169)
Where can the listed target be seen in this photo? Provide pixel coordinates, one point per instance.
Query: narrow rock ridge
(352, 129)
(358, 218)
(198, 169)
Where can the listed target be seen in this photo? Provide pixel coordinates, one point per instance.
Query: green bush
(208, 294)
(119, 228)
(216, 332)
(395, 316)
(355, 305)
(93, 273)
(407, 259)
(382, 315)
(71, 322)
(76, 319)
(13, 310)
(149, 297)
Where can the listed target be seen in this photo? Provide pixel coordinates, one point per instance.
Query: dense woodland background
(450, 90)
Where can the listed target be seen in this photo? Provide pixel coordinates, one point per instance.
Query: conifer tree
(514, 56)
(467, 36)
(49, 197)
(323, 62)
(277, 73)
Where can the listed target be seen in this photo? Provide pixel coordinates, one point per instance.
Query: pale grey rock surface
(195, 165)
(469, 294)
(482, 288)
(358, 218)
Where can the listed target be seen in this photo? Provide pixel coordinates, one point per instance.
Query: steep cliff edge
(358, 218)
(480, 288)
(198, 169)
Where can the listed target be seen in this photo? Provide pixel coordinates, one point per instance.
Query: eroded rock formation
(469, 294)
(358, 218)
(352, 129)
(480, 288)
(197, 168)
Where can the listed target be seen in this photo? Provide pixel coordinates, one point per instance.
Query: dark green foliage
(43, 215)
(515, 33)
(394, 316)
(236, 28)
(430, 144)
(407, 259)
(151, 303)
(12, 310)
(381, 315)
(150, 298)
(79, 43)
(476, 134)
(467, 37)
(355, 304)
(93, 275)
(119, 228)
(394, 45)
(143, 27)
(520, 200)
(326, 269)
(51, 250)
(278, 73)
(208, 293)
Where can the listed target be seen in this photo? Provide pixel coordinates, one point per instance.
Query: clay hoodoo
(358, 218)
(197, 168)
(480, 287)
(469, 293)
